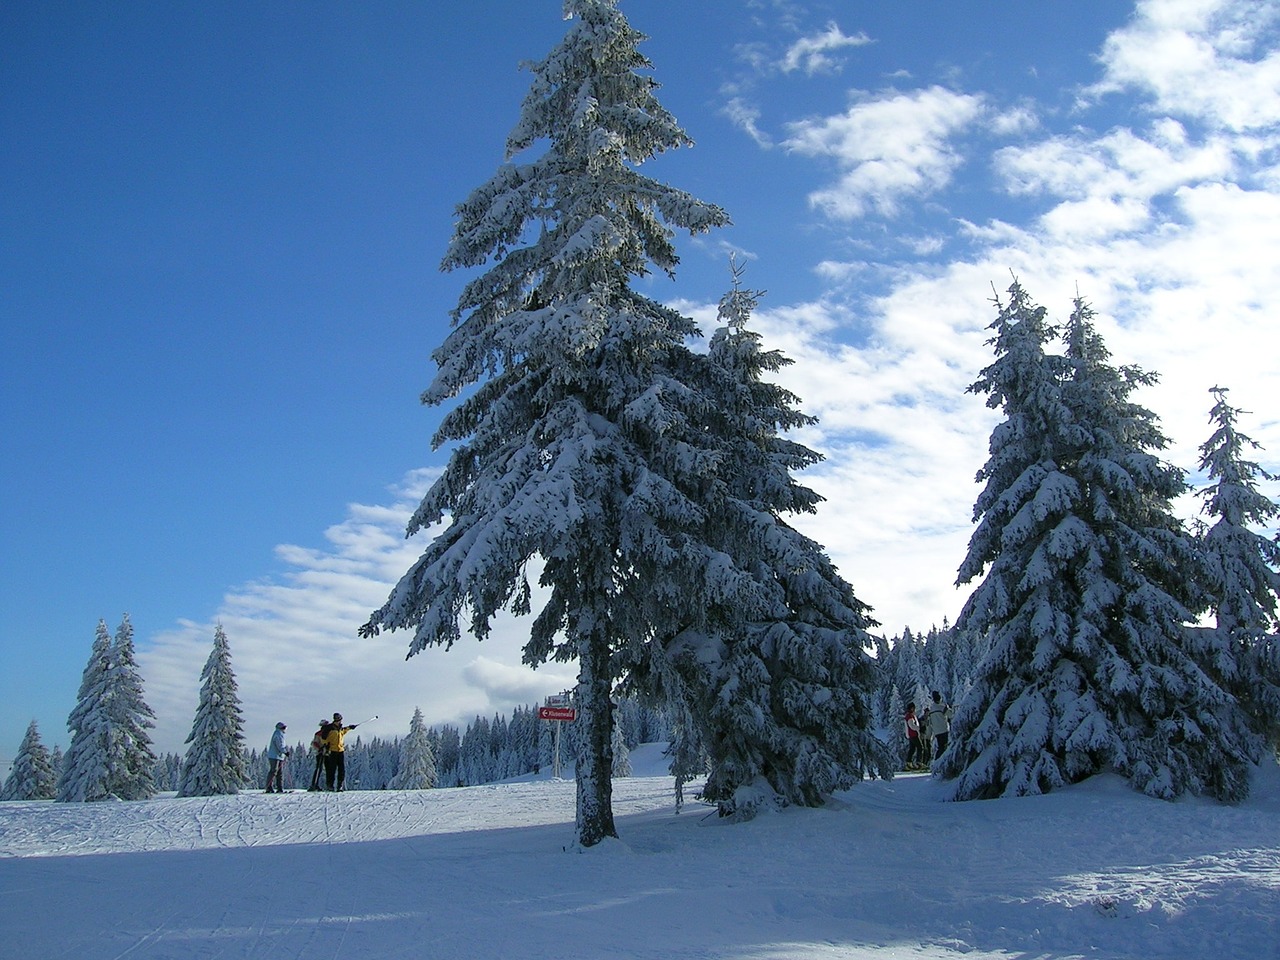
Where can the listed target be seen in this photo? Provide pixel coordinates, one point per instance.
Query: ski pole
(370, 720)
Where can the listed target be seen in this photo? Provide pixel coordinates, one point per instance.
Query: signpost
(558, 711)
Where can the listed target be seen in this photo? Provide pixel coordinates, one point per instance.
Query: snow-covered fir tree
(110, 752)
(85, 773)
(215, 761)
(1240, 569)
(417, 769)
(621, 753)
(168, 772)
(566, 373)
(130, 718)
(1089, 585)
(32, 776)
(775, 662)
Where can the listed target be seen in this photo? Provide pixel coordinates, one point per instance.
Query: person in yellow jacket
(335, 767)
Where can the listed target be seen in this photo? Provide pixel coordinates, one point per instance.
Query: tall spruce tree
(85, 773)
(1240, 569)
(560, 449)
(134, 762)
(215, 762)
(32, 776)
(1090, 583)
(417, 770)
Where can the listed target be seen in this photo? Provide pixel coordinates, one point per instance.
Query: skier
(335, 767)
(915, 753)
(937, 723)
(277, 753)
(318, 749)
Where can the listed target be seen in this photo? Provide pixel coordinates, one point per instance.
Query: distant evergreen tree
(688, 759)
(130, 718)
(168, 772)
(448, 757)
(895, 723)
(110, 752)
(1241, 578)
(909, 667)
(85, 773)
(417, 770)
(33, 776)
(884, 683)
(1090, 582)
(621, 753)
(215, 762)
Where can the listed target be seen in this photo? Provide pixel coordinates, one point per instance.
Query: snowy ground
(888, 871)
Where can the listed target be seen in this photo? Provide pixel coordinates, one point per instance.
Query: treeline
(486, 750)
(913, 665)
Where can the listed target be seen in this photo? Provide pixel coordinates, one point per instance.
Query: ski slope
(886, 871)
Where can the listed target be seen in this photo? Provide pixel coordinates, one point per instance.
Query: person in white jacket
(277, 753)
(937, 723)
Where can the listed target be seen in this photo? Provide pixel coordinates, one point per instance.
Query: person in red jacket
(915, 754)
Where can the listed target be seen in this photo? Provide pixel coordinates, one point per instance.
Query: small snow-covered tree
(33, 776)
(215, 761)
(86, 773)
(1089, 585)
(417, 769)
(1240, 569)
(621, 753)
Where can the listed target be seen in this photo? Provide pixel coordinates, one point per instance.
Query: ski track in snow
(888, 870)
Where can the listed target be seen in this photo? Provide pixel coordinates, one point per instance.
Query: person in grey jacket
(277, 753)
(937, 723)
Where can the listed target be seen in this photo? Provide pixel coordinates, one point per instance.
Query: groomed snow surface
(887, 871)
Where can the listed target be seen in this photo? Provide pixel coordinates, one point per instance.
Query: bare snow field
(888, 870)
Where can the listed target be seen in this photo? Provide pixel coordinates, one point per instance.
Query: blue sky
(219, 291)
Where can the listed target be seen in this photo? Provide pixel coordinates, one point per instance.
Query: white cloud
(746, 117)
(1213, 60)
(812, 54)
(1170, 234)
(890, 146)
(297, 657)
(1121, 165)
(1014, 121)
(1192, 298)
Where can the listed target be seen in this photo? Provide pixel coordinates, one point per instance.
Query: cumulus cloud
(1190, 295)
(1111, 184)
(1212, 60)
(1168, 228)
(889, 147)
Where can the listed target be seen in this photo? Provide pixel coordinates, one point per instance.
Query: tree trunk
(595, 754)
